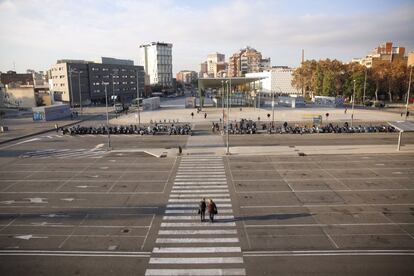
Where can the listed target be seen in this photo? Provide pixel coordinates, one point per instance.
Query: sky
(36, 33)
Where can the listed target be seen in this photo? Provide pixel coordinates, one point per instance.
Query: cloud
(36, 33)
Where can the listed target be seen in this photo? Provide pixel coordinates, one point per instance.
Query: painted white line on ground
(180, 191)
(199, 260)
(74, 255)
(212, 183)
(198, 224)
(178, 211)
(327, 205)
(188, 187)
(197, 232)
(212, 177)
(197, 200)
(195, 205)
(206, 174)
(196, 249)
(194, 217)
(324, 225)
(329, 254)
(74, 251)
(205, 194)
(197, 240)
(198, 272)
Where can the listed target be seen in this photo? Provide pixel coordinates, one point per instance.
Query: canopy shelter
(218, 83)
(204, 83)
(402, 126)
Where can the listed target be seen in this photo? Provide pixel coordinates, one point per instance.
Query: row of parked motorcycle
(250, 127)
(157, 129)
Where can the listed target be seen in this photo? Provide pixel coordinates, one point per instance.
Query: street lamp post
(107, 116)
(70, 86)
(228, 121)
(353, 104)
(273, 109)
(80, 92)
(365, 86)
(138, 99)
(222, 103)
(408, 93)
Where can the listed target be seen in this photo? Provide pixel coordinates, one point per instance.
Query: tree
(328, 85)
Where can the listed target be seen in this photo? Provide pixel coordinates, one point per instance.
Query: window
(105, 69)
(95, 69)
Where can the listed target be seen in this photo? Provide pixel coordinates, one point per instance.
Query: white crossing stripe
(194, 217)
(196, 249)
(200, 176)
(205, 194)
(215, 186)
(196, 200)
(198, 224)
(198, 272)
(202, 260)
(200, 167)
(205, 183)
(189, 211)
(198, 232)
(219, 205)
(197, 240)
(177, 191)
(206, 174)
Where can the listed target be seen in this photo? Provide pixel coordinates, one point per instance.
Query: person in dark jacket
(212, 209)
(202, 209)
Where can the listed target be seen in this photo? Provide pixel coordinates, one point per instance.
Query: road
(67, 206)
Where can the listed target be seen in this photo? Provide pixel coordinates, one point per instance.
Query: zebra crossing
(65, 153)
(186, 246)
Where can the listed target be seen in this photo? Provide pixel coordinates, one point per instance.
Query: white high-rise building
(156, 57)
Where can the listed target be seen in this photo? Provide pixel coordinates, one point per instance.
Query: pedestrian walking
(345, 110)
(202, 209)
(205, 115)
(212, 209)
(57, 128)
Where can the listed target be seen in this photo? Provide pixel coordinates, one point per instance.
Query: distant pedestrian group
(210, 206)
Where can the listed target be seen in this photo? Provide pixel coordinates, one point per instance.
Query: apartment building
(75, 81)
(186, 76)
(156, 57)
(247, 60)
(384, 52)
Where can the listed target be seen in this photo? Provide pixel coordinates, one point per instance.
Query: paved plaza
(68, 206)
